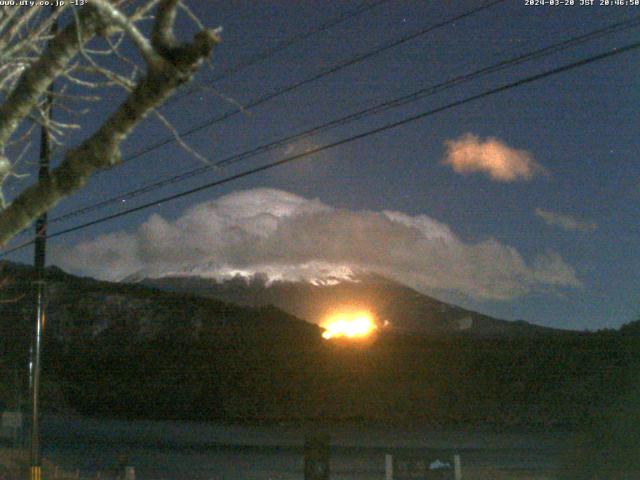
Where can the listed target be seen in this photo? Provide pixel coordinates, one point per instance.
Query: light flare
(356, 325)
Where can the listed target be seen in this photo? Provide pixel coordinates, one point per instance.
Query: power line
(375, 131)
(284, 44)
(289, 88)
(376, 109)
(331, 70)
(16, 248)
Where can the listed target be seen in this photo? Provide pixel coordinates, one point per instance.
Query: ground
(14, 465)
(488, 473)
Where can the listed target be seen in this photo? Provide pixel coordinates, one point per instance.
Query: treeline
(255, 375)
(129, 351)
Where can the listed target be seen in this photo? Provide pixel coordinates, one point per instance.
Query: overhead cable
(376, 109)
(368, 133)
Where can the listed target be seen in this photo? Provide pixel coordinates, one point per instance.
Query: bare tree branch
(168, 65)
(37, 78)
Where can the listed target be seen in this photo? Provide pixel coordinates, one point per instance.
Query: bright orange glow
(353, 325)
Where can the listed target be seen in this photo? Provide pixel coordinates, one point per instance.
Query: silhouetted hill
(405, 309)
(86, 308)
(631, 328)
(120, 350)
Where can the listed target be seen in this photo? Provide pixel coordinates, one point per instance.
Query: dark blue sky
(580, 127)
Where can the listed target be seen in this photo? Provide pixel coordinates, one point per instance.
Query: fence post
(129, 473)
(457, 467)
(388, 467)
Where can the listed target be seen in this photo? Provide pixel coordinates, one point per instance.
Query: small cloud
(566, 222)
(470, 154)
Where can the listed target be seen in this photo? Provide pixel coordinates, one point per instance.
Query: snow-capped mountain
(394, 306)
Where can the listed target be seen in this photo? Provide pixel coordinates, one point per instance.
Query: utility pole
(40, 283)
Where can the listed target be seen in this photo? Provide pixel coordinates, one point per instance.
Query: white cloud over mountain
(469, 154)
(290, 237)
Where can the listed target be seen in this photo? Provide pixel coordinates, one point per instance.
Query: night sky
(521, 205)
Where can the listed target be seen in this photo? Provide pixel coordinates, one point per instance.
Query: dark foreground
(195, 450)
